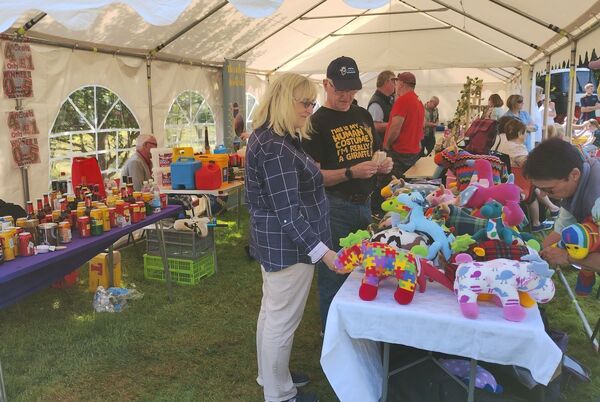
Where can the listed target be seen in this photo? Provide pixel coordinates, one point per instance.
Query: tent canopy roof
(403, 34)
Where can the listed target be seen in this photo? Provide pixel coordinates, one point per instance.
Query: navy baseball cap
(344, 73)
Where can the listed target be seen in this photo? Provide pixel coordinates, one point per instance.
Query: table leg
(472, 373)
(111, 272)
(386, 371)
(163, 255)
(3, 397)
(239, 206)
(214, 247)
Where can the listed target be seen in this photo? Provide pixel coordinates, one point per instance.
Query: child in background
(512, 143)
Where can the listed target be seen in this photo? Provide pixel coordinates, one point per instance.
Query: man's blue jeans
(345, 217)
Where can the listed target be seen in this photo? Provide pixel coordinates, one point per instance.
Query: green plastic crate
(183, 272)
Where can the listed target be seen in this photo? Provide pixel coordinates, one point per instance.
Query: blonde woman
(290, 232)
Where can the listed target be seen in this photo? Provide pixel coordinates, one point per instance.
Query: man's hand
(386, 166)
(364, 170)
(555, 256)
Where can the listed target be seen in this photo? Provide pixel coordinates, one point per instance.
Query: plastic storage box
(183, 272)
(182, 173)
(180, 244)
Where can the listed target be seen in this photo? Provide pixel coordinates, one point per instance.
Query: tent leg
(149, 78)
(586, 324)
(571, 96)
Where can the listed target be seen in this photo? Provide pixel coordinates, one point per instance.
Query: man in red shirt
(405, 128)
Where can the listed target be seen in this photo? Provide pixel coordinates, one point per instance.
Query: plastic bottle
(145, 187)
(155, 203)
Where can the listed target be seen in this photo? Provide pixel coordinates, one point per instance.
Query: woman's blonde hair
(277, 107)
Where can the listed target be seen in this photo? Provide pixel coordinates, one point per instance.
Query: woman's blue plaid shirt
(289, 212)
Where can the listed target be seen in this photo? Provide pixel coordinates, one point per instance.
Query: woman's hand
(329, 260)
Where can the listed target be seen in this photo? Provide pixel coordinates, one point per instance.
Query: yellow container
(8, 245)
(105, 218)
(98, 271)
(178, 152)
(222, 161)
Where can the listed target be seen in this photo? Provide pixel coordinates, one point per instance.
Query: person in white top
(512, 143)
(494, 109)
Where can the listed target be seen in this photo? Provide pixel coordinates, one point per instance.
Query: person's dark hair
(553, 159)
(496, 100)
(502, 123)
(513, 128)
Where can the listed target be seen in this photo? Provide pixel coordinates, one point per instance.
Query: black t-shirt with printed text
(343, 139)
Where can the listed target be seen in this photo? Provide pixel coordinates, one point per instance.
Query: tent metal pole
(531, 18)
(243, 52)
(571, 96)
(315, 43)
(546, 98)
(187, 28)
(29, 24)
(432, 10)
(387, 32)
(25, 184)
(502, 31)
(149, 80)
(467, 33)
(115, 51)
(499, 73)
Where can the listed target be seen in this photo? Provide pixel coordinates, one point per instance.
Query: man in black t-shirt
(589, 103)
(343, 142)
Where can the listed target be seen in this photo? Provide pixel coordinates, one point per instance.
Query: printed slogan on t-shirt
(353, 141)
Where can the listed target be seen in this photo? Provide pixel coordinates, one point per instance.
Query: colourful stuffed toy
(483, 379)
(401, 239)
(382, 260)
(580, 239)
(440, 196)
(418, 222)
(503, 278)
(507, 194)
(399, 212)
(462, 164)
(458, 218)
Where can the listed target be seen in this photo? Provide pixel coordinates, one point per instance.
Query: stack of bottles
(58, 217)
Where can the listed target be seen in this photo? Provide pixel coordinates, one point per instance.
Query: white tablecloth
(351, 359)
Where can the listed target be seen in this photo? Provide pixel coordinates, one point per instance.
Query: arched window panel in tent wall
(188, 115)
(92, 121)
(251, 104)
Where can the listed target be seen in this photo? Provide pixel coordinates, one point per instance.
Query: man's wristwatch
(348, 173)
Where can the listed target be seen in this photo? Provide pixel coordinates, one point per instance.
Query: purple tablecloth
(25, 275)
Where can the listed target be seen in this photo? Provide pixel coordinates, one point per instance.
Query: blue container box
(183, 173)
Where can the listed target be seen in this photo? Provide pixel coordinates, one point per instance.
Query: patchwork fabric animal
(381, 260)
(417, 221)
(458, 218)
(503, 278)
(462, 164)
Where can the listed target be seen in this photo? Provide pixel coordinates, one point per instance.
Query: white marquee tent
(184, 42)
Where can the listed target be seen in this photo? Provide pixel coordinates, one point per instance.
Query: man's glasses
(520, 101)
(154, 144)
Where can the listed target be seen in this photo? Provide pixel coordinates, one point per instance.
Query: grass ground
(200, 347)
